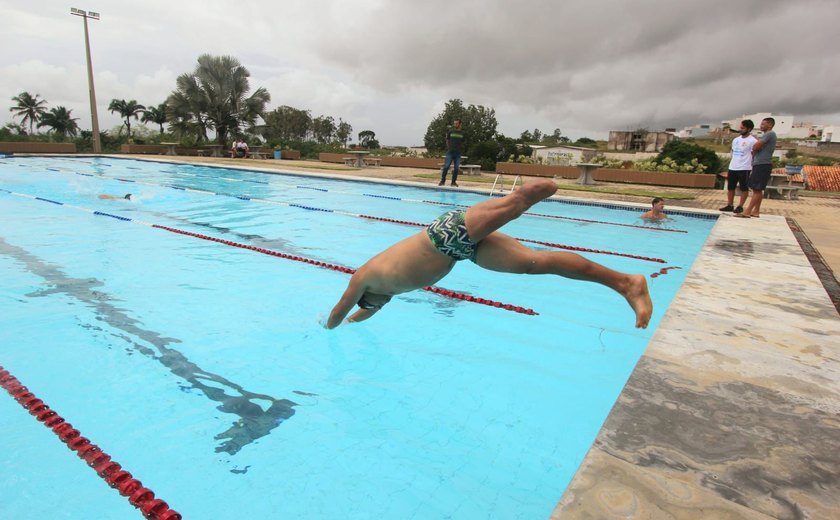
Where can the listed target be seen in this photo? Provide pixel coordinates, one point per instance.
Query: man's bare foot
(536, 191)
(638, 297)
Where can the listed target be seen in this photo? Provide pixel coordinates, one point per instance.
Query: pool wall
(732, 410)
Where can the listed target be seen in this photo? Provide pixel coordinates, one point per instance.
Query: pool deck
(733, 411)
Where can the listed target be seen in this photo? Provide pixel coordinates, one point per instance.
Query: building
(830, 134)
(784, 123)
(805, 131)
(695, 131)
(638, 141)
(562, 155)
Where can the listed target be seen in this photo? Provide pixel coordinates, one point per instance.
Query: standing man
(740, 166)
(454, 143)
(762, 167)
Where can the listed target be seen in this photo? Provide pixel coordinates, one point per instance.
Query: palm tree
(156, 115)
(127, 109)
(215, 96)
(29, 107)
(60, 122)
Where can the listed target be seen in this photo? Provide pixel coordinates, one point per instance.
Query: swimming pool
(203, 370)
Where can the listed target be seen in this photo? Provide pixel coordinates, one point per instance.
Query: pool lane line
(420, 201)
(555, 245)
(430, 288)
(105, 467)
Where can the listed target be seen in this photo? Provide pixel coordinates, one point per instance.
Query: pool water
(204, 369)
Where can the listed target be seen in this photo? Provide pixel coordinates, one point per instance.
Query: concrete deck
(732, 411)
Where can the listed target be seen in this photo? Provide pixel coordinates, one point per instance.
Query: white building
(831, 134)
(562, 155)
(784, 123)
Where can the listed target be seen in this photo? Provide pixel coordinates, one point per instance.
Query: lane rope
(380, 219)
(436, 290)
(421, 201)
(108, 469)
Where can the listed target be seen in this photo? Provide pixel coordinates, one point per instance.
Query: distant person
(740, 166)
(454, 144)
(105, 196)
(656, 212)
(426, 257)
(762, 167)
(239, 148)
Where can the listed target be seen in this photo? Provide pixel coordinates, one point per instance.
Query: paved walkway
(817, 216)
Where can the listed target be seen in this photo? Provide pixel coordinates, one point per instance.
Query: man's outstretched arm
(355, 290)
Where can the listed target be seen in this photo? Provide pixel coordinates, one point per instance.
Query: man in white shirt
(740, 166)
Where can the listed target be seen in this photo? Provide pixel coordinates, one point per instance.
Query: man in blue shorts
(740, 166)
(762, 167)
(425, 257)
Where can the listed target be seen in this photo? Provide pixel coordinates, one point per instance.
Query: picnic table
(257, 153)
(782, 185)
(170, 148)
(586, 170)
(359, 156)
(215, 150)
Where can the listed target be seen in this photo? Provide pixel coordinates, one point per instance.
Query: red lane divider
(110, 471)
(649, 228)
(549, 244)
(348, 270)
(599, 251)
(662, 271)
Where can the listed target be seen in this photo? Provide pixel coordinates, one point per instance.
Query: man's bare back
(426, 257)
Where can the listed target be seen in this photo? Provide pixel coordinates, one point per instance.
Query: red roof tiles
(820, 178)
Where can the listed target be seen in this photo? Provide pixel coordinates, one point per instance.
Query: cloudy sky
(584, 66)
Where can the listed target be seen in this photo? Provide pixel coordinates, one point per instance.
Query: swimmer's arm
(351, 296)
(362, 315)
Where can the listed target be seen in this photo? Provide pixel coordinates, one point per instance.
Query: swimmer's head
(127, 196)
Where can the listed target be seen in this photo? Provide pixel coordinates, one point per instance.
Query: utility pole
(97, 147)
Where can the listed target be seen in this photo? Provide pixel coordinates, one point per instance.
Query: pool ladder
(498, 181)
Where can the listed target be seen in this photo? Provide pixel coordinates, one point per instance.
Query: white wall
(831, 134)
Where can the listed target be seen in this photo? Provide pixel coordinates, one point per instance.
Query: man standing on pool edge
(426, 257)
(454, 143)
(762, 167)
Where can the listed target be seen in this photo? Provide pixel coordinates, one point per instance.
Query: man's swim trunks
(448, 234)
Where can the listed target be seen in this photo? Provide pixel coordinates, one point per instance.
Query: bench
(783, 191)
(257, 154)
(470, 169)
(466, 169)
(373, 161)
(349, 161)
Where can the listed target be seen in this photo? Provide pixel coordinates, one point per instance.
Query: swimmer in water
(105, 196)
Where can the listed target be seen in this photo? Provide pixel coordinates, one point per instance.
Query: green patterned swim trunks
(448, 234)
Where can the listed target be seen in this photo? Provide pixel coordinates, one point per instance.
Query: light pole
(97, 147)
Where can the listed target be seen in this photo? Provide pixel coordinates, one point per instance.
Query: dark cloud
(581, 66)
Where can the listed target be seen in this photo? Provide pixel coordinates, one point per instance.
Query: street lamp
(97, 147)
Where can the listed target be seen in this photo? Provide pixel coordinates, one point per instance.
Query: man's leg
(446, 162)
(500, 252)
(488, 216)
(456, 161)
(755, 203)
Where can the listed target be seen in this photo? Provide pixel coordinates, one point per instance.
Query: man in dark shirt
(762, 167)
(454, 143)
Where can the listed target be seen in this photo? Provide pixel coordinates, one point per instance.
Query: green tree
(323, 129)
(343, 131)
(367, 138)
(215, 96)
(156, 115)
(127, 110)
(538, 135)
(60, 122)
(479, 124)
(585, 141)
(526, 136)
(287, 124)
(683, 152)
(29, 108)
